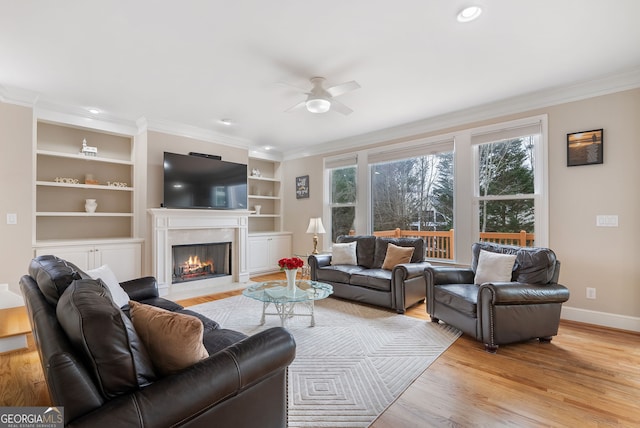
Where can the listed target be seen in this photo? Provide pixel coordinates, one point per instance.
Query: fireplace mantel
(183, 226)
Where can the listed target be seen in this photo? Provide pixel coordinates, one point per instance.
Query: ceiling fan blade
(297, 88)
(342, 88)
(295, 107)
(340, 108)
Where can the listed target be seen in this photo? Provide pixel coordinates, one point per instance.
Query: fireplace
(194, 262)
(174, 227)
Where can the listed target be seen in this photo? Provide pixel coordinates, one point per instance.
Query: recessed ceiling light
(94, 111)
(267, 148)
(227, 122)
(470, 13)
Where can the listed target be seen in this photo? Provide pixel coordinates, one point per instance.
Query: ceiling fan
(321, 100)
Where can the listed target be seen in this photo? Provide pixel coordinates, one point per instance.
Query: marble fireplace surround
(184, 226)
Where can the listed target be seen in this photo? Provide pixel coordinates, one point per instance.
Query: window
(505, 185)
(491, 182)
(413, 194)
(343, 185)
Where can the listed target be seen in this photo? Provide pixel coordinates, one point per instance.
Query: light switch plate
(12, 218)
(607, 220)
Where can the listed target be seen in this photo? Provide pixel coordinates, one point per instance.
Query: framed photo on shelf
(302, 187)
(585, 148)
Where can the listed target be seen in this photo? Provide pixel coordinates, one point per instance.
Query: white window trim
(465, 204)
(541, 181)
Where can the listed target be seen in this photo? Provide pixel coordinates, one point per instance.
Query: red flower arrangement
(289, 264)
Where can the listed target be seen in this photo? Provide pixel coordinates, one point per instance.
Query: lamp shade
(315, 225)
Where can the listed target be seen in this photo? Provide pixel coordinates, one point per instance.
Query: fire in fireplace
(200, 261)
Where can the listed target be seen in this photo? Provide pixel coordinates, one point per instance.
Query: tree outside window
(413, 194)
(506, 186)
(343, 200)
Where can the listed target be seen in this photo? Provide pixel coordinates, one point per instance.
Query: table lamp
(315, 227)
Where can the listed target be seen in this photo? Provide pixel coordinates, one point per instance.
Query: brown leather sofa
(399, 288)
(496, 313)
(241, 384)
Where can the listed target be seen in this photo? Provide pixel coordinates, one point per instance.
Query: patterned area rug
(352, 365)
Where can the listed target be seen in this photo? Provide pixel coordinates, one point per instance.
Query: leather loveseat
(524, 306)
(398, 288)
(243, 378)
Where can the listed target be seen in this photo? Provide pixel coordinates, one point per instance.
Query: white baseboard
(622, 322)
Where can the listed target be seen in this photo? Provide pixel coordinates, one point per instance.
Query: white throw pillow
(344, 254)
(494, 267)
(120, 297)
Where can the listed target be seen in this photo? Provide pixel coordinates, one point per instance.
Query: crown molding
(604, 85)
(77, 116)
(195, 132)
(18, 96)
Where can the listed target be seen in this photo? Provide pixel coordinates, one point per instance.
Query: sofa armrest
(406, 271)
(317, 261)
(141, 288)
(436, 275)
(196, 391)
(504, 293)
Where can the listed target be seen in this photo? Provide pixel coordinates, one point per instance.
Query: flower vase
(90, 205)
(291, 280)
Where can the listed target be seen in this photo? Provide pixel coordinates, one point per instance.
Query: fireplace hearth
(195, 262)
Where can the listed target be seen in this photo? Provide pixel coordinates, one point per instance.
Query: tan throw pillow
(396, 255)
(344, 254)
(494, 267)
(173, 340)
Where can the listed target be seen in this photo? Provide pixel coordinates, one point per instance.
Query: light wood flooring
(586, 377)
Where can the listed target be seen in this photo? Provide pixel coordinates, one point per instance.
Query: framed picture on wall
(585, 148)
(302, 187)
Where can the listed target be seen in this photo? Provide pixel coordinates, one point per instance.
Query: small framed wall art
(302, 187)
(585, 148)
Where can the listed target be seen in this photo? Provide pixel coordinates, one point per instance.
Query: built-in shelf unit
(265, 190)
(64, 179)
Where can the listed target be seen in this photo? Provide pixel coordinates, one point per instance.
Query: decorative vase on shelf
(90, 205)
(291, 279)
(257, 208)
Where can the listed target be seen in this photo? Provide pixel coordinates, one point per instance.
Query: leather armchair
(497, 313)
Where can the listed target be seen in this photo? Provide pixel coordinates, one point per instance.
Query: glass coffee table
(285, 301)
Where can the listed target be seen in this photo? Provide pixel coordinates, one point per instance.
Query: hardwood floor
(586, 377)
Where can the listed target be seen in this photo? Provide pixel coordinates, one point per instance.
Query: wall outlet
(591, 293)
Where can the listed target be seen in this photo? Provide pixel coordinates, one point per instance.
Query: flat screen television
(204, 182)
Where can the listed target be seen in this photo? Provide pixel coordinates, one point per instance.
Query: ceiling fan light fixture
(468, 14)
(318, 105)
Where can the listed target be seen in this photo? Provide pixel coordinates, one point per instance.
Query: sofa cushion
(120, 297)
(461, 297)
(378, 279)
(344, 253)
(219, 339)
(494, 267)
(53, 275)
(338, 273)
(364, 250)
(396, 255)
(534, 265)
(381, 249)
(105, 337)
(173, 340)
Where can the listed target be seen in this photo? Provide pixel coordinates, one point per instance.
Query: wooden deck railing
(439, 244)
(522, 238)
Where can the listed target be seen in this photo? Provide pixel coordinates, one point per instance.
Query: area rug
(352, 365)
